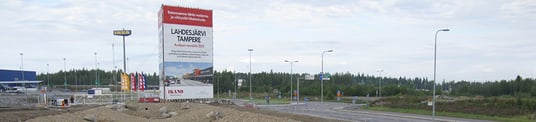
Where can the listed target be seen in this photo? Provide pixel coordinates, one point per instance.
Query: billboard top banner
(186, 16)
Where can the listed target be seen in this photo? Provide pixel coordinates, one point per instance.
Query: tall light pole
(76, 84)
(235, 84)
(48, 81)
(22, 66)
(321, 77)
(218, 89)
(291, 62)
(22, 71)
(250, 50)
(435, 58)
(64, 73)
(98, 80)
(380, 88)
(131, 85)
(298, 89)
(113, 70)
(96, 72)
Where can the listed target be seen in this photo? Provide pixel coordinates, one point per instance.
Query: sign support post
(123, 33)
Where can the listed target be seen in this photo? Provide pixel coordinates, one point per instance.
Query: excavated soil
(144, 112)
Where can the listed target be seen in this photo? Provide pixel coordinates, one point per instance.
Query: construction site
(103, 108)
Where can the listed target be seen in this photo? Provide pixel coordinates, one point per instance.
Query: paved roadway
(352, 112)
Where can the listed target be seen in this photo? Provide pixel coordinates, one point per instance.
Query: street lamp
(113, 70)
(64, 73)
(435, 58)
(22, 66)
(380, 88)
(250, 50)
(22, 71)
(96, 72)
(291, 62)
(321, 77)
(98, 80)
(235, 84)
(48, 81)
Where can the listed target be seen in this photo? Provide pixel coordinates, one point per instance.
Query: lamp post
(96, 72)
(21, 70)
(235, 84)
(22, 66)
(48, 81)
(321, 77)
(298, 88)
(291, 62)
(131, 84)
(435, 58)
(98, 81)
(76, 84)
(64, 73)
(218, 90)
(250, 50)
(113, 69)
(380, 88)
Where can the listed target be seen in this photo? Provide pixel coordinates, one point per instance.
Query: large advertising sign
(186, 53)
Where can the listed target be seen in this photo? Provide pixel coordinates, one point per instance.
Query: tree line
(88, 77)
(349, 84)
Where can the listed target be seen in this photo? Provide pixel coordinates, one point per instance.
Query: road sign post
(123, 33)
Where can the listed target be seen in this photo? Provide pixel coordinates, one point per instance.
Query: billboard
(186, 53)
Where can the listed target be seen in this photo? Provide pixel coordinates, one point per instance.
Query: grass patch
(272, 101)
(520, 118)
(348, 101)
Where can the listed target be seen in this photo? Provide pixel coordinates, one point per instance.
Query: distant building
(203, 75)
(17, 75)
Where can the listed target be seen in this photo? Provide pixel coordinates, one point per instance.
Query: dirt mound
(21, 114)
(139, 112)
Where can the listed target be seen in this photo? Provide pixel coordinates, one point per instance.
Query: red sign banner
(186, 16)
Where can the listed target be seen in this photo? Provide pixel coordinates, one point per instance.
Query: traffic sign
(327, 76)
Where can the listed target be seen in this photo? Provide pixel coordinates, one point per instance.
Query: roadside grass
(348, 101)
(272, 101)
(519, 118)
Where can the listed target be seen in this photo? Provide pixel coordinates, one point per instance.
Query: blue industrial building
(16, 76)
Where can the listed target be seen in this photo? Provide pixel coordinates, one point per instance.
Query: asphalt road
(352, 112)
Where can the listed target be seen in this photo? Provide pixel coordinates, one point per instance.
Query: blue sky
(489, 40)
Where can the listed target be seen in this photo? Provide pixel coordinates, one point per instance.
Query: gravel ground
(143, 112)
(21, 114)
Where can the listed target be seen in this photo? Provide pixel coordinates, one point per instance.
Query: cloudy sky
(489, 40)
